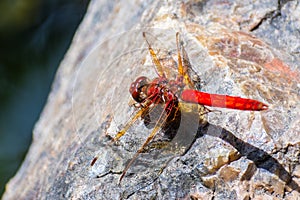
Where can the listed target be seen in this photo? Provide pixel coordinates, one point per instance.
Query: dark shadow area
(34, 36)
(261, 158)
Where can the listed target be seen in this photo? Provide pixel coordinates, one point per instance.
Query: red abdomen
(222, 101)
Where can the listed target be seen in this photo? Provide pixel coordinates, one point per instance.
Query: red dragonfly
(169, 93)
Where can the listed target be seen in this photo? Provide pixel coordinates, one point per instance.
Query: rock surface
(240, 48)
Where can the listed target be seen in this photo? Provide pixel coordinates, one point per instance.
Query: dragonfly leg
(141, 150)
(130, 122)
(160, 122)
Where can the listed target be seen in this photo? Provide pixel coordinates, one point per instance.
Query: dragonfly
(171, 94)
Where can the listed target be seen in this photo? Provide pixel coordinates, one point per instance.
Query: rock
(238, 48)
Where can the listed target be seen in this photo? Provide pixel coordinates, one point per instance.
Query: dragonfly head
(138, 89)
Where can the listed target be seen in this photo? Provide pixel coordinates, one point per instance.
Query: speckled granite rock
(240, 48)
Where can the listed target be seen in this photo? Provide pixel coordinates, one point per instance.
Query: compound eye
(136, 88)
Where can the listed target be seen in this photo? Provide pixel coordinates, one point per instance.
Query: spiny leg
(153, 133)
(130, 122)
(157, 127)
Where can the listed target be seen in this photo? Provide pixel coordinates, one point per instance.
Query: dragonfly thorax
(158, 91)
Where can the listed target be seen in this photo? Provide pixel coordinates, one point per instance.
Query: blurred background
(34, 36)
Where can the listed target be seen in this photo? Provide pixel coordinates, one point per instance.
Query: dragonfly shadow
(261, 158)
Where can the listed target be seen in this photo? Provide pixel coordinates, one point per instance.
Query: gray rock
(240, 48)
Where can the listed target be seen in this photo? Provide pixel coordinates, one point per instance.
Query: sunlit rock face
(238, 48)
